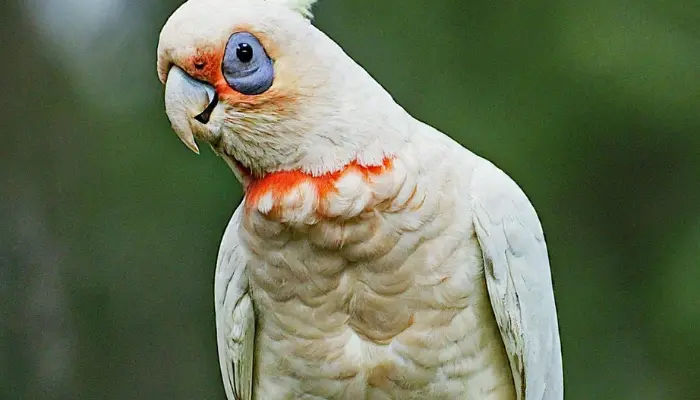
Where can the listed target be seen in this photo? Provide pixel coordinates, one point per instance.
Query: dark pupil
(244, 52)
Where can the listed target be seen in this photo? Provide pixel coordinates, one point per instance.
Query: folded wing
(235, 317)
(519, 283)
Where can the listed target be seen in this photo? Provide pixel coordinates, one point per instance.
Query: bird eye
(244, 52)
(246, 66)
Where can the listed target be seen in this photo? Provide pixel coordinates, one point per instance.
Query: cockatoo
(372, 256)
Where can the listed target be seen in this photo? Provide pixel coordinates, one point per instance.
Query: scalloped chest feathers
(368, 283)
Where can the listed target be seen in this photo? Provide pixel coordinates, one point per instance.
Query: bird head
(270, 92)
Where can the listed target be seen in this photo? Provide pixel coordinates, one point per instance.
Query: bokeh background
(110, 226)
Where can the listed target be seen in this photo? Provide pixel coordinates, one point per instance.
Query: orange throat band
(277, 186)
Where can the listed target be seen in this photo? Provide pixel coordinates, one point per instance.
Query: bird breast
(325, 242)
(365, 279)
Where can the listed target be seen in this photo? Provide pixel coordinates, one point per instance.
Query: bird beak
(188, 104)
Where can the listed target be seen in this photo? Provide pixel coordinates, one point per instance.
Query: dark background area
(110, 226)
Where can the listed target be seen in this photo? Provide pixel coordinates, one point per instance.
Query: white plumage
(373, 257)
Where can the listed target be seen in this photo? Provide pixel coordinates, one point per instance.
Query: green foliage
(111, 226)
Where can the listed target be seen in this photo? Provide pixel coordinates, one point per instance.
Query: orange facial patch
(280, 184)
(206, 66)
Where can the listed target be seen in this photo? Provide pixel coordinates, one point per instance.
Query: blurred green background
(110, 226)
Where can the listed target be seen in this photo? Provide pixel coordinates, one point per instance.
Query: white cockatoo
(372, 257)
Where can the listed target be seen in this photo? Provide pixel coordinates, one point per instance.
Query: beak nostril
(205, 115)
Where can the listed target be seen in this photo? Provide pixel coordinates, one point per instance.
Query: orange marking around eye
(279, 184)
(206, 65)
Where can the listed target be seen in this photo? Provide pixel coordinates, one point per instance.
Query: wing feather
(519, 283)
(235, 316)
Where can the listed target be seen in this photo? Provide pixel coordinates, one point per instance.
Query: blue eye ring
(246, 66)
